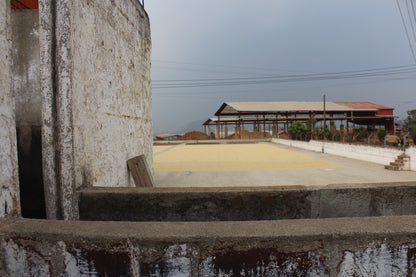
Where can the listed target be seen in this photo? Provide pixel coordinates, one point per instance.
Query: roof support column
(287, 122)
(277, 124)
(218, 128)
(257, 123)
(239, 125)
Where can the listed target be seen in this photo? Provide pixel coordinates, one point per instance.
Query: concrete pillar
(56, 90)
(9, 180)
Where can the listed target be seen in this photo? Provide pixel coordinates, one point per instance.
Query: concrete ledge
(211, 141)
(197, 231)
(378, 246)
(168, 142)
(245, 204)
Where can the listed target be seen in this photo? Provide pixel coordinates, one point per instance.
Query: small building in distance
(167, 136)
(280, 115)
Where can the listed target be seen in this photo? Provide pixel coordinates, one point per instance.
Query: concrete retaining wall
(244, 204)
(372, 154)
(379, 246)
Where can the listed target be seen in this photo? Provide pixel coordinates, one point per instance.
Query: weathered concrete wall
(95, 84)
(111, 97)
(244, 204)
(9, 184)
(378, 246)
(372, 154)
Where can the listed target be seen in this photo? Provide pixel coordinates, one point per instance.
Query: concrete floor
(262, 164)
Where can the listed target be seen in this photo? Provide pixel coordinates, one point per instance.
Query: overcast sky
(228, 39)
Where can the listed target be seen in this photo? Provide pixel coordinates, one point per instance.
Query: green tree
(359, 132)
(310, 125)
(324, 132)
(410, 124)
(381, 134)
(297, 130)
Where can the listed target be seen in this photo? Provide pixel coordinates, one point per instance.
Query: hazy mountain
(192, 126)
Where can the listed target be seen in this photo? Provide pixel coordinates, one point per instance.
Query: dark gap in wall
(29, 149)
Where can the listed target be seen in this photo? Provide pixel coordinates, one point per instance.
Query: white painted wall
(412, 153)
(378, 155)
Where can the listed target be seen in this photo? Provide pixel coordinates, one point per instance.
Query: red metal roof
(364, 105)
(24, 4)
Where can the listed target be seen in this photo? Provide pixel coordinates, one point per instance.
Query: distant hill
(191, 126)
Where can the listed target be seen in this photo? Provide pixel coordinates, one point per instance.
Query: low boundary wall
(378, 246)
(367, 153)
(210, 141)
(245, 204)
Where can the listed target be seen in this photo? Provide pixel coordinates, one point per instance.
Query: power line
(413, 10)
(243, 70)
(249, 92)
(251, 68)
(202, 70)
(411, 20)
(370, 70)
(375, 72)
(407, 32)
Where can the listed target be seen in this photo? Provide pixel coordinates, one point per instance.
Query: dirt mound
(194, 135)
(392, 139)
(249, 135)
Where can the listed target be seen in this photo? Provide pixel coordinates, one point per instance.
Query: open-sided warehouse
(285, 113)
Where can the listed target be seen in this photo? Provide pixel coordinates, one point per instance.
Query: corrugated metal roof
(287, 106)
(232, 108)
(364, 105)
(24, 4)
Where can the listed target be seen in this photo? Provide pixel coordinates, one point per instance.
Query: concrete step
(392, 167)
(403, 157)
(399, 163)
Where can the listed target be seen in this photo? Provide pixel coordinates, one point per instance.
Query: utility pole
(323, 141)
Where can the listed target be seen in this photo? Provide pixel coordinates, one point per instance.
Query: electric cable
(411, 20)
(413, 10)
(407, 33)
(375, 72)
